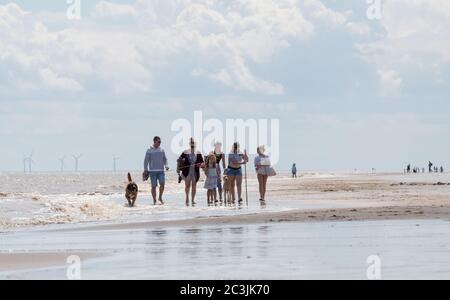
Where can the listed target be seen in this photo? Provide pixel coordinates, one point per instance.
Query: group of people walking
(431, 169)
(192, 162)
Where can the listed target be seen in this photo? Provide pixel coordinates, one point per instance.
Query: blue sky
(349, 92)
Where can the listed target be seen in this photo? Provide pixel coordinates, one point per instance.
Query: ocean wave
(48, 199)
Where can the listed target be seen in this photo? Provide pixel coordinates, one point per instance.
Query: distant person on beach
(408, 169)
(294, 171)
(155, 163)
(189, 164)
(442, 169)
(212, 174)
(234, 171)
(430, 165)
(263, 170)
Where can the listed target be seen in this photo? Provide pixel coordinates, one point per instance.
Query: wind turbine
(115, 159)
(30, 161)
(61, 160)
(76, 158)
(24, 160)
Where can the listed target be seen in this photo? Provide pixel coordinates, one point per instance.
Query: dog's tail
(129, 178)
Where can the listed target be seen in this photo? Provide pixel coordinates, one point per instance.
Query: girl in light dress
(212, 175)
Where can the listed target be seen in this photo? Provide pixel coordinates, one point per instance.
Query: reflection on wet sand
(269, 251)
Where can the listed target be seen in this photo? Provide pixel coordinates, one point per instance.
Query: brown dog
(227, 189)
(131, 192)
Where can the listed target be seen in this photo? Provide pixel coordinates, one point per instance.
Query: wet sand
(406, 249)
(320, 215)
(319, 200)
(338, 197)
(36, 260)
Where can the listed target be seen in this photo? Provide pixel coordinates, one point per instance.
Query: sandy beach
(36, 248)
(95, 200)
(351, 197)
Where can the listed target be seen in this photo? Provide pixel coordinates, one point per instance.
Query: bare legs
(187, 188)
(212, 196)
(262, 180)
(265, 186)
(261, 185)
(154, 195)
(193, 191)
(190, 188)
(161, 192)
(220, 194)
(239, 187)
(233, 184)
(236, 181)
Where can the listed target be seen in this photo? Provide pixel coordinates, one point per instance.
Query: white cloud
(245, 30)
(202, 19)
(221, 76)
(57, 82)
(34, 55)
(317, 11)
(223, 39)
(415, 40)
(390, 81)
(10, 14)
(228, 105)
(246, 81)
(358, 28)
(105, 9)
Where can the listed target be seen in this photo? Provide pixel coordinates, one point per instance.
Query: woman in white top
(262, 166)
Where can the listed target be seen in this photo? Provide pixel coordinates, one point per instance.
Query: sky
(351, 89)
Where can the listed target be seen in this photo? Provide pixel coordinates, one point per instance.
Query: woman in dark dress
(189, 164)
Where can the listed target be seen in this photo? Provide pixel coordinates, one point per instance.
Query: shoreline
(314, 198)
(381, 213)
